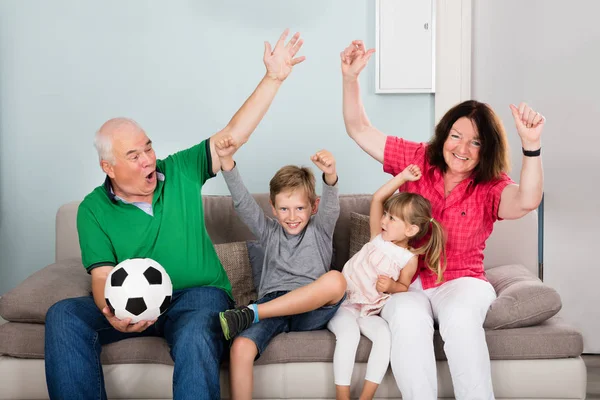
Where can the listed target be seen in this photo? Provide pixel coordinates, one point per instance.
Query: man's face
(134, 172)
(292, 209)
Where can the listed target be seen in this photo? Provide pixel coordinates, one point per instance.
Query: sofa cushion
(523, 299)
(234, 257)
(551, 339)
(31, 299)
(360, 232)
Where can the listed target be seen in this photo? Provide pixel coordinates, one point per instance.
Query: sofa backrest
(512, 242)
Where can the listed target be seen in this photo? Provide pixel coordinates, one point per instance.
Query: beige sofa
(536, 362)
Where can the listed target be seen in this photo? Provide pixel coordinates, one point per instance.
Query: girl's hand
(411, 173)
(384, 283)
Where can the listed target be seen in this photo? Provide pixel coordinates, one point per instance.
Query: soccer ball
(138, 288)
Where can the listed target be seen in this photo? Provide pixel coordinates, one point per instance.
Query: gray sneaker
(236, 320)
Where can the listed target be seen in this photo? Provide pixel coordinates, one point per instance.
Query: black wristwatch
(532, 153)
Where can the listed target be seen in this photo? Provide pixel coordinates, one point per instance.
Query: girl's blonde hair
(414, 209)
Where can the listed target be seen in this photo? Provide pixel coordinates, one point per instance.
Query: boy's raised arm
(246, 207)
(329, 204)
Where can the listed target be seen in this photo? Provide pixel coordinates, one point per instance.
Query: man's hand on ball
(125, 325)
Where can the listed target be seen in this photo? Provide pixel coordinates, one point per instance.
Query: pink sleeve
(399, 153)
(495, 194)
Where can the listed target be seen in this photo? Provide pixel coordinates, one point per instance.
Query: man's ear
(411, 230)
(315, 206)
(273, 208)
(107, 168)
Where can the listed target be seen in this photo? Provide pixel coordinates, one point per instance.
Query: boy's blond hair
(292, 177)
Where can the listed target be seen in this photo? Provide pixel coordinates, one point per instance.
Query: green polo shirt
(111, 231)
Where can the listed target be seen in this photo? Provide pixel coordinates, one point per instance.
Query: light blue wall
(181, 69)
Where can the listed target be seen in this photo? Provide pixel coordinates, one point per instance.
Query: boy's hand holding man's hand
(326, 163)
(225, 149)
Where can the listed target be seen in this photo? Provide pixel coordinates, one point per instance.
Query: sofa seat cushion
(26, 340)
(551, 339)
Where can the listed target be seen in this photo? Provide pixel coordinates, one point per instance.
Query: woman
(464, 177)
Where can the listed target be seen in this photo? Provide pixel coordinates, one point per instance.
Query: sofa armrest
(30, 301)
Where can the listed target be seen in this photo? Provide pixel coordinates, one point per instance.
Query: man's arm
(279, 63)
(99, 275)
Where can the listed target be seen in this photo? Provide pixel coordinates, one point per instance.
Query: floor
(592, 363)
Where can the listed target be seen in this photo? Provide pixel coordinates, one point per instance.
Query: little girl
(385, 265)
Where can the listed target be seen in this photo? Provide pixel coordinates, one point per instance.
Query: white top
(377, 257)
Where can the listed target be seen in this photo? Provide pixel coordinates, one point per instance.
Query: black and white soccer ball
(138, 288)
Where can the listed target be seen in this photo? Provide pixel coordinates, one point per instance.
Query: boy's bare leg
(369, 389)
(342, 392)
(241, 364)
(327, 290)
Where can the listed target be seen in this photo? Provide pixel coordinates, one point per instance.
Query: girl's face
(394, 229)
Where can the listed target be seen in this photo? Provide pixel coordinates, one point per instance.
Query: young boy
(297, 291)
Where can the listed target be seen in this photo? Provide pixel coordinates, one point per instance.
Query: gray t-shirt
(291, 261)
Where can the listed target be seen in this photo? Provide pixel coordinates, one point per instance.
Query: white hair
(103, 141)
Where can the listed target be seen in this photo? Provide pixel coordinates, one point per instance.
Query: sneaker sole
(224, 326)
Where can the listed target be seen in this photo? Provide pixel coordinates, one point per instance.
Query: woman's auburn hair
(494, 156)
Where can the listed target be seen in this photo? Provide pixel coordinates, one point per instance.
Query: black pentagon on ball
(118, 277)
(110, 307)
(165, 304)
(153, 276)
(136, 305)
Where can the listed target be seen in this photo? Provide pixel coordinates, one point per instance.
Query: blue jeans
(76, 331)
(264, 330)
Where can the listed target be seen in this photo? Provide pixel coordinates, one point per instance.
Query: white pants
(347, 325)
(459, 307)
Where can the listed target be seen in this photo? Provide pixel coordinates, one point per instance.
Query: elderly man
(153, 208)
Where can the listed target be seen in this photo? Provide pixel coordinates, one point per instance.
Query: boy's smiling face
(292, 209)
